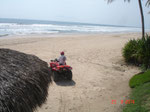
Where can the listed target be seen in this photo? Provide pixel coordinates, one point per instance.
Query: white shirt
(62, 59)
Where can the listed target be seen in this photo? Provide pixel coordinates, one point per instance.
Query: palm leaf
(148, 3)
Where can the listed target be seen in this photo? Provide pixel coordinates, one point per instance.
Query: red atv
(60, 71)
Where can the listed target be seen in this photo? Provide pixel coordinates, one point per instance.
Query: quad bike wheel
(55, 76)
(69, 75)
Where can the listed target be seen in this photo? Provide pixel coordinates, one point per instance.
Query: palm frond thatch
(24, 81)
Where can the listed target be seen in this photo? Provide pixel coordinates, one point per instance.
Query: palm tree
(141, 11)
(142, 18)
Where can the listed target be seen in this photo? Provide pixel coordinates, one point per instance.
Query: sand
(100, 74)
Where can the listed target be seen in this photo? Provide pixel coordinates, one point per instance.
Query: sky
(85, 11)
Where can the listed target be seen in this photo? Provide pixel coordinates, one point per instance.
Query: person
(62, 58)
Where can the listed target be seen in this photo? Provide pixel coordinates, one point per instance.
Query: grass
(139, 79)
(141, 96)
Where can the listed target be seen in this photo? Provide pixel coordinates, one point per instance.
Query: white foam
(23, 29)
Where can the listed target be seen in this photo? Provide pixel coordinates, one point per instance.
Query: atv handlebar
(56, 60)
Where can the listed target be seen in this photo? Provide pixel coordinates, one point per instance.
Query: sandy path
(99, 73)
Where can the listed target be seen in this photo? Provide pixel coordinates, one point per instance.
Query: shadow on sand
(66, 83)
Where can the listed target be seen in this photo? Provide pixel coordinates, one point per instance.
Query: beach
(100, 74)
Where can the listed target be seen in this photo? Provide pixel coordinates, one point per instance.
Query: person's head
(62, 53)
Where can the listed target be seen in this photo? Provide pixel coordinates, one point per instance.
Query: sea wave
(25, 29)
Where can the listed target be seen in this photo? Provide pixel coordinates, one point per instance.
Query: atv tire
(55, 76)
(69, 75)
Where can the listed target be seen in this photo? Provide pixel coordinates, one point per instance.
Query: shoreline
(66, 34)
(99, 73)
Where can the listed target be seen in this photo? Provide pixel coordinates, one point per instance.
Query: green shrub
(138, 52)
(139, 79)
(130, 50)
(145, 52)
(141, 96)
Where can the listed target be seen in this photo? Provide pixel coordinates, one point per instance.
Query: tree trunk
(142, 19)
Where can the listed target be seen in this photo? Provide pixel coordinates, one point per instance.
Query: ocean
(9, 27)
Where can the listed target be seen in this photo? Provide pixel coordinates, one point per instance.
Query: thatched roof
(24, 81)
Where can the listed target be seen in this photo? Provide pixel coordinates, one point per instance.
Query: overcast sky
(87, 11)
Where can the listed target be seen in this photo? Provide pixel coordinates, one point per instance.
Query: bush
(139, 79)
(130, 51)
(138, 52)
(141, 96)
(145, 52)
